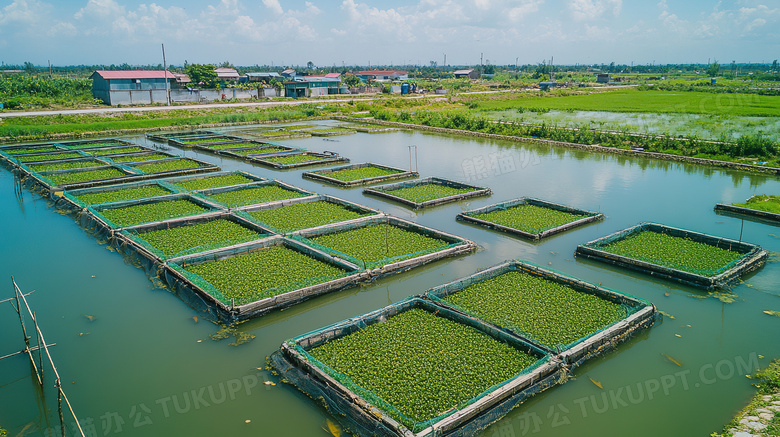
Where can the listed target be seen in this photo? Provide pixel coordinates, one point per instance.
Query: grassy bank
(761, 417)
(32, 128)
(630, 100)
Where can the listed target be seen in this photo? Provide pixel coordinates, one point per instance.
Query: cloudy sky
(383, 32)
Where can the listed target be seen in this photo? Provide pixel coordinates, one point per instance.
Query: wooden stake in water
(740, 230)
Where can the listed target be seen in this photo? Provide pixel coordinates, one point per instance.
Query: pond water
(705, 126)
(144, 366)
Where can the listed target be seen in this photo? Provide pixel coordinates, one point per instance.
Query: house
(226, 74)
(289, 72)
(468, 73)
(182, 80)
(131, 87)
(383, 75)
(260, 77)
(311, 86)
(603, 78)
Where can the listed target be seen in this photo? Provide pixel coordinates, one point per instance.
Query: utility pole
(165, 75)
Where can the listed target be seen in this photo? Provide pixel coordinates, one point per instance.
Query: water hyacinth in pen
(255, 195)
(422, 364)
(85, 176)
(529, 218)
(167, 165)
(264, 273)
(123, 194)
(152, 212)
(353, 174)
(375, 243)
(425, 192)
(546, 311)
(306, 215)
(675, 252)
(200, 236)
(218, 181)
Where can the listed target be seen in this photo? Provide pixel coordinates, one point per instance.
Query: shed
(260, 76)
(226, 74)
(383, 75)
(131, 87)
(603, 78)
(289, 72)
(468, 73)
(310, 87)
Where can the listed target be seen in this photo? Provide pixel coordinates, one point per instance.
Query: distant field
(633, 100)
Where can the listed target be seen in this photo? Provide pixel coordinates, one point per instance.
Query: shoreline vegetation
(465, 114)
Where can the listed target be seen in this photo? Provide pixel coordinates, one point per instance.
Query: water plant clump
(204, 140)
(171, 165)
(152, 212)
(65, 165)
(30, 150)
(297, 216)
(425, 192)
(260, 150)
(137, 158)
(529, 218)
(198, 237)
(115, 151)
(375, 243)
(48, 157)
(549, 312)
(123, 194)
(675, 252)
(293, 159)
(85, 176)
(353, 174)
(255, 195)
(231, 146)
(214, 182)
(422, 364)
(768, 203)
(93, 145)
(264, 273)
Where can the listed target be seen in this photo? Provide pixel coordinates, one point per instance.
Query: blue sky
(359, 32)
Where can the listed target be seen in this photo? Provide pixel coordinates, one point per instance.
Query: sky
(388, 33)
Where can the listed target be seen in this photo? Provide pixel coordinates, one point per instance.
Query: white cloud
(274, 6)
(23, 12)
(593, 9)
(526, 8)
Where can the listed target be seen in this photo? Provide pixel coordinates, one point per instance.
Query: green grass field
(633, 100)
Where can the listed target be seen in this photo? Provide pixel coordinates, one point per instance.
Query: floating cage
(229, 309)
(392, 192)
(751, 256)
(306, 215)
(102, 215)
(371, 129)
(54, 155)
(531, 233)
(75, 199)
(635, 313)
(749, 213)
(384, 173)
(163, 137)
(364, 413)
(265, 192)
(98, 143)
(117, 150)
(200, 240)
(429, 244)
(190, 141)
(56, 181)
(263, 149)
(138, 157)
(173, 167)
(284, 161)
(329, 132)
(221, 179)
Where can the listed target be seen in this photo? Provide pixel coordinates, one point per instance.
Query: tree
(774, 66)
(29, 67)
(351, 80)
(713, 69)
(202, 74)
(310, 65)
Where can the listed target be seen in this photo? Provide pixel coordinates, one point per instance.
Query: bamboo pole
(58, 381)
